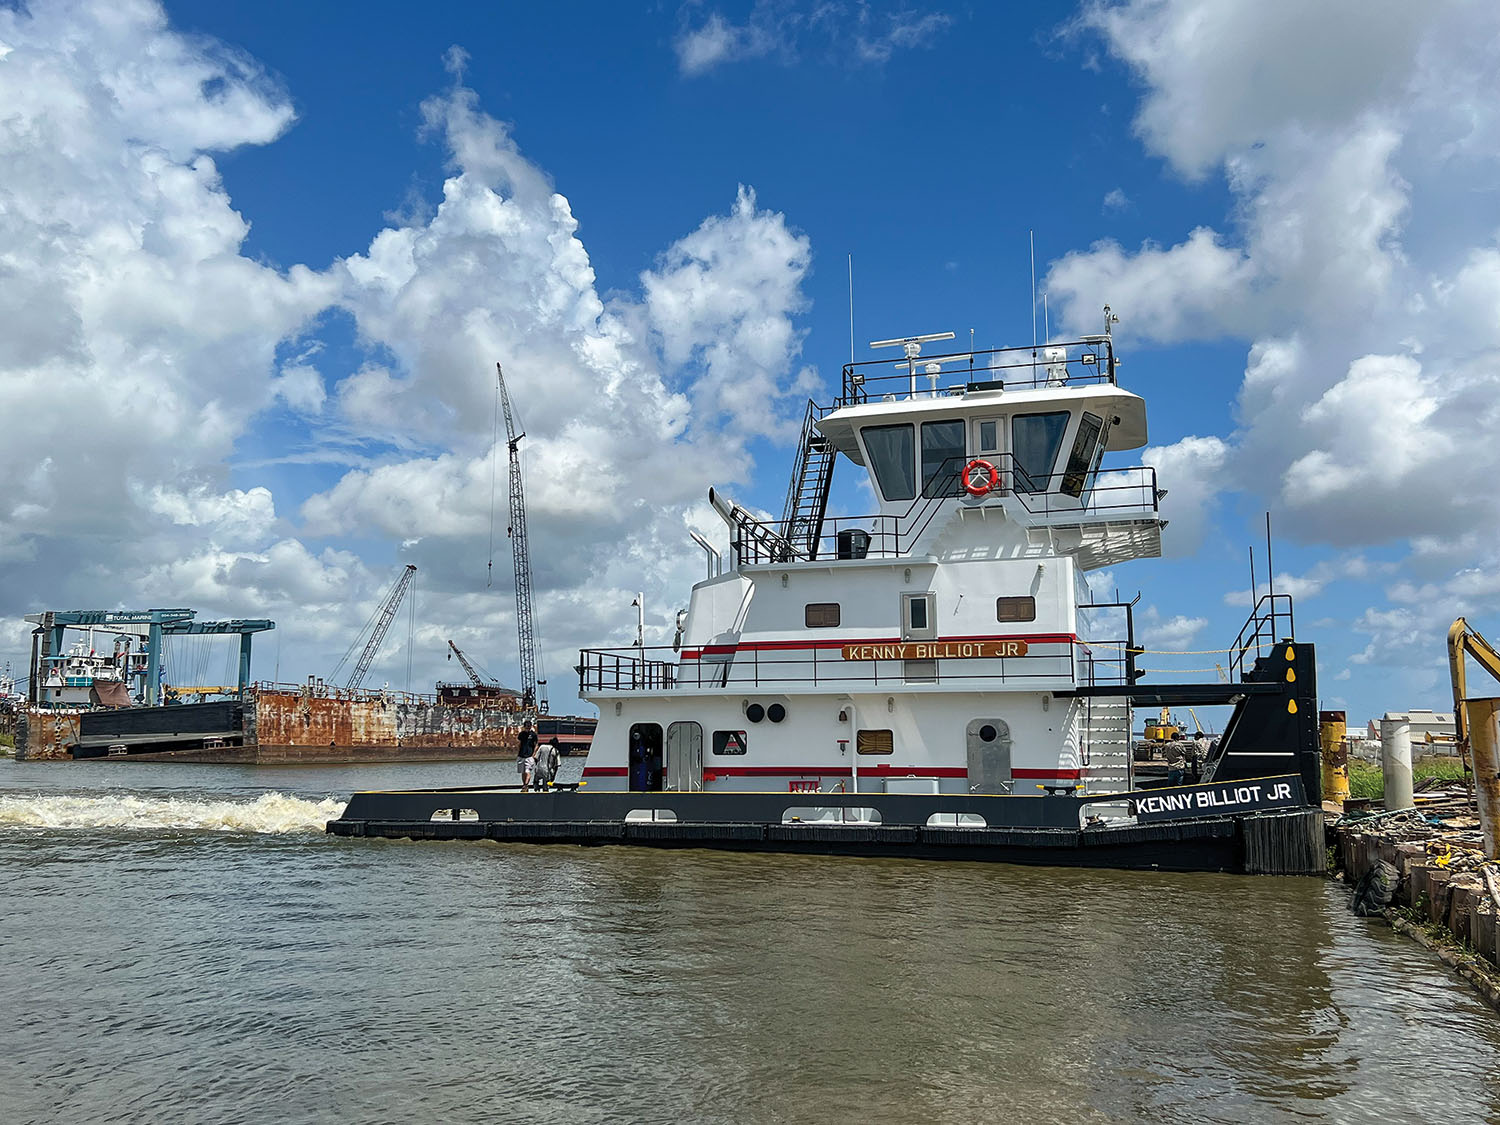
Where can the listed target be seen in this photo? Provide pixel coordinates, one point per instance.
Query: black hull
(1287, 840)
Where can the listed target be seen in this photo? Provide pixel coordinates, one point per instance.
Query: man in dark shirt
(526, 753)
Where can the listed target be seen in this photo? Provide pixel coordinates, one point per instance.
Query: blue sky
(268, 253)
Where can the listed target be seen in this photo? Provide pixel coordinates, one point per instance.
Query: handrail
(661, 669)
(1083, 362)
(1261, 628)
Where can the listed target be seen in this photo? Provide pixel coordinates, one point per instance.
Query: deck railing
(1048, 660)
(1089, 361)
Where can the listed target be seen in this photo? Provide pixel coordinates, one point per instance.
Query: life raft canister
(979, 477)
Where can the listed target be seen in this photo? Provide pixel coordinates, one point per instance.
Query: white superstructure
(937, 645)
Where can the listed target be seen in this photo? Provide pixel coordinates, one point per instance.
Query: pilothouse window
(1035, 442)
(892, 459)
(942, 458)
(1075, 475)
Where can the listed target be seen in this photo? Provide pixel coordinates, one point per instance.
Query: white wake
(270, 812)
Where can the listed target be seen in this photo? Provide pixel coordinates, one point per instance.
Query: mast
(525, 629)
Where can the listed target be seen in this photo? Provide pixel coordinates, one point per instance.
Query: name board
(1220, 799)
(936, 650)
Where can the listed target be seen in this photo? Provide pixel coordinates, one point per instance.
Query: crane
(479, 681)
(1474, 726)
(381, 622)
(525, 629)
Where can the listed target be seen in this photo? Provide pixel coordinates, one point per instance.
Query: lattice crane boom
(382, 624)
(521, 552)
(479, 681)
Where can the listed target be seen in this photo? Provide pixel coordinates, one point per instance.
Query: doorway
(645, 757)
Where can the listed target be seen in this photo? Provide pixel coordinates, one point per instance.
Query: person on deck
(640, 763)
(547, 758)
(526, 754)
(1177, 760)
(1201, 747)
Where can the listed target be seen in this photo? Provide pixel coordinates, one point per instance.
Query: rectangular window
(942, 458)
(1034, 441)
(989, 436)
(917, 617)
(893, 459)
(821, 615)
(874, 742)
(1022, 608)
(1075, 476)
(729, 742)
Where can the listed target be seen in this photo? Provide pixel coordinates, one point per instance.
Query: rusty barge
(280, 723)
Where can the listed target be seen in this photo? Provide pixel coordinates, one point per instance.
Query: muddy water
(182, 944)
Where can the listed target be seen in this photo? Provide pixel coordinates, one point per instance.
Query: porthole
(755, 712)
(776, 712)
(987, 733)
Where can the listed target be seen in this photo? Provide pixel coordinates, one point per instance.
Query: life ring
(979, 477)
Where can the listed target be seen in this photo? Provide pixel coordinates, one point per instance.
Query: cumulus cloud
(1353, 264)
(126, 290)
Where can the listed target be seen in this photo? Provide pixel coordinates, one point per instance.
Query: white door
(684, 765)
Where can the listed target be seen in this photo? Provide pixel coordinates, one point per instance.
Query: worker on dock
(526, 753)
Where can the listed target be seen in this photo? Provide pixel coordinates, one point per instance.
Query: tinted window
(874, 742)
(821, 615)
(1075, 475)
(893, 459)
(729, 742)
(1035, 441)
(1016, 608)
(942, 458)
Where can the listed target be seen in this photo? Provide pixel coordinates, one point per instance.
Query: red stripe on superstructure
(880, 770)
(772, 646)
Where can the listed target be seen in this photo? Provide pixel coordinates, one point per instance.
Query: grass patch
(8, 740)
(1368, 781)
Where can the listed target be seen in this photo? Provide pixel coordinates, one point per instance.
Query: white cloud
(1192, 472)
(1356, 263)
(1172, 634)
(844, 32)
(150, 358)
(1116, 200)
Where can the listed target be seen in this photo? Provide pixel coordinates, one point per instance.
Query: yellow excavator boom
(1481, 752)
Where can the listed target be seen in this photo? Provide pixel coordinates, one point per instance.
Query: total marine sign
(1223, 799)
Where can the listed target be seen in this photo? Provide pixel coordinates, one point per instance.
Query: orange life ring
(979, 477)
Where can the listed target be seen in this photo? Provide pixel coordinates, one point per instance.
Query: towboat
(936, 678)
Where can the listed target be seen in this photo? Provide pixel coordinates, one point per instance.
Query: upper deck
(1013, 436)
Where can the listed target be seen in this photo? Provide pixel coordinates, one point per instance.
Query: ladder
(1105, 745)
(812, 477)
